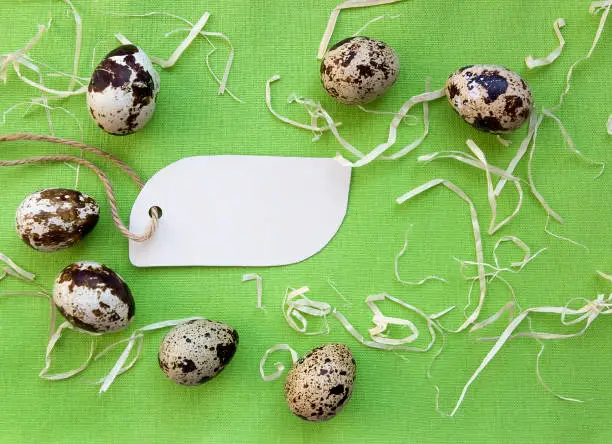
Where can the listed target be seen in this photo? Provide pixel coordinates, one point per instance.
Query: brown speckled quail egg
(123, 90)
(319, 384)
(93, 297)
(195, 352)
(491, 98)
(55, 218)
(358, 70)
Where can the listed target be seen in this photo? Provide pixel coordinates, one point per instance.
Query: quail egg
(93, 297)
(123, 91)
(491, 98)
(197, 351)
(55, 218)
(319, 384)
(357, 70)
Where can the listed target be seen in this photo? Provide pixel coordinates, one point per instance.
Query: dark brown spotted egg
(491, 98)
(123, 91)
(358, 70)
(55, 218)
(195, 352)
(93, 297)
(319, 384)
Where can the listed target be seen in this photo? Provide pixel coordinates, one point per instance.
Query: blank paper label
(240, 211)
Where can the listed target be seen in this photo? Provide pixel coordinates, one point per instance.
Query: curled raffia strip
(468, 159)
(280, 367)
(193, 31)
(502, 141)
(334, 287)
(374, 20)
(497, 269)
(396, 266)
(382, 148)
(595, 8)
(317, 112)
(571, 145)
(528, 257)
(566, 239)
(333, 18)
(14, 270)
(20, 58)
(379, 333)
(554, 55)
(605, 276)
(256, 277)
(222, 82)
(137, 336)
(390, 113)
(314, 127)
(588, 314)
(55, 334)
(78, 23)
(6, 60)
(534, 122)
(477, 238)
(48, 109)
(535, 127)
(148, 233)
(417, 142)
(296, 304)
(493, 228)
(510, 307)
(515, 267)
(552, 213)
(55, 337)
(479, 161)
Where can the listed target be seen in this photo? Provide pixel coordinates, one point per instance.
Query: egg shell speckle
(319, 384)
(93, 297)
(358, 70)
(55, 218)
(123, 91)
(490, 98)
(195, 352)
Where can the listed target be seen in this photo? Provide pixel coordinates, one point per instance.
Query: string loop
(108, 187)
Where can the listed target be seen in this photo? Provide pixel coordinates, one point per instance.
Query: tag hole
(159, 212)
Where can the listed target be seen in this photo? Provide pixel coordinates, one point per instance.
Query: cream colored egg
(55, 218)
(358, 70)
(123, 91)
(93, 297)
(319, 384)
(195, 352)
(490, 98)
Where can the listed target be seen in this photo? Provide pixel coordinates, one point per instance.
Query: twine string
(108, 187)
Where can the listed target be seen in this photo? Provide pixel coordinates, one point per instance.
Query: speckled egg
(55, 218)
(195, 352)
(123, 91)
(491, 98)
(320, 383)
(93, 297)
(357, 70)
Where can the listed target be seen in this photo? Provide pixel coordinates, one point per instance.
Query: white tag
(240, 211)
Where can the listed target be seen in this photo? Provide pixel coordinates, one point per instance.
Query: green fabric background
(393, 401)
